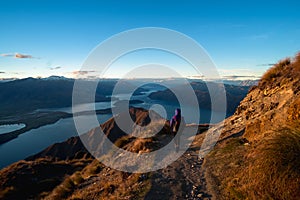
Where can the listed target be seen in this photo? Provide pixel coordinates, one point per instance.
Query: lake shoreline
(5, 128)
(39, 119)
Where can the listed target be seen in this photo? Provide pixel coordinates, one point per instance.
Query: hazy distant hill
(241, 82)
(26, 95)
(234, 94)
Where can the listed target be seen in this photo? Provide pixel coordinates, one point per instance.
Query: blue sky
(43, 38)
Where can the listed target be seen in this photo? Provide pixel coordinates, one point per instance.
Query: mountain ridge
(259, 145)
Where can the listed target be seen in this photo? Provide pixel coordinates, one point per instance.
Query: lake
(83, 107)
(10, 127)
(34, 141)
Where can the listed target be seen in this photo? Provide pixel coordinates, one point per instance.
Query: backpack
(176, 125)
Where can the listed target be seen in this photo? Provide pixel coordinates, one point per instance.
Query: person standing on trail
(177, 124)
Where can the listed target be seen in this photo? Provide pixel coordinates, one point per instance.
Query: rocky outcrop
(266, 107)
(255, 155)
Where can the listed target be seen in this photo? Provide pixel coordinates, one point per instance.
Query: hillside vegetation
(258, 154)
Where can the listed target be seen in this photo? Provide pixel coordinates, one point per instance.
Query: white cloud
(82, 73)
(55, 68)
(16, 55)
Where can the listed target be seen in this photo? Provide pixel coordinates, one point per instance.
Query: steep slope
(257, 154)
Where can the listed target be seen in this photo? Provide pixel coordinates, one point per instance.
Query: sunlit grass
(267, 170)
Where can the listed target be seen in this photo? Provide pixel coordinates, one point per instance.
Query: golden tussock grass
(285, 70)
(267, 170)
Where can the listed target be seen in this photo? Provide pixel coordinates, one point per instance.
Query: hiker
(177, 121)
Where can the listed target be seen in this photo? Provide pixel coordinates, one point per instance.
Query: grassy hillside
(269, 169)
(258, 154)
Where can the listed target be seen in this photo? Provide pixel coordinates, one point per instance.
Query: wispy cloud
(241, 73)
(7, 55)
(17, 55)
(82, 73)
(197, 77)
(240, 77)
(92, 77)
(2, 72)
(55, 68)
(266, 64)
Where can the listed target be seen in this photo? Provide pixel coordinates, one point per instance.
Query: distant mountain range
(234, 94)
(249, 82)
(27, 95)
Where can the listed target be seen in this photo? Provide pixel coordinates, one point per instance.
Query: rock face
(269, 105)
(258, 147)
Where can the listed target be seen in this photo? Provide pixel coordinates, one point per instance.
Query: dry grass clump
(136, 145)
(113, 184)
(6, 192)
(267, 170)
(286, 70)
(92, 169)
(142, 145)
(275, 170)
(121, 142)
(147, 144)
(66, 187)
(36, 179)
(222, 165)
(296, 63)
(276, 71)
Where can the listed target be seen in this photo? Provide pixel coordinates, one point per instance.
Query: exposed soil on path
(183, 179)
